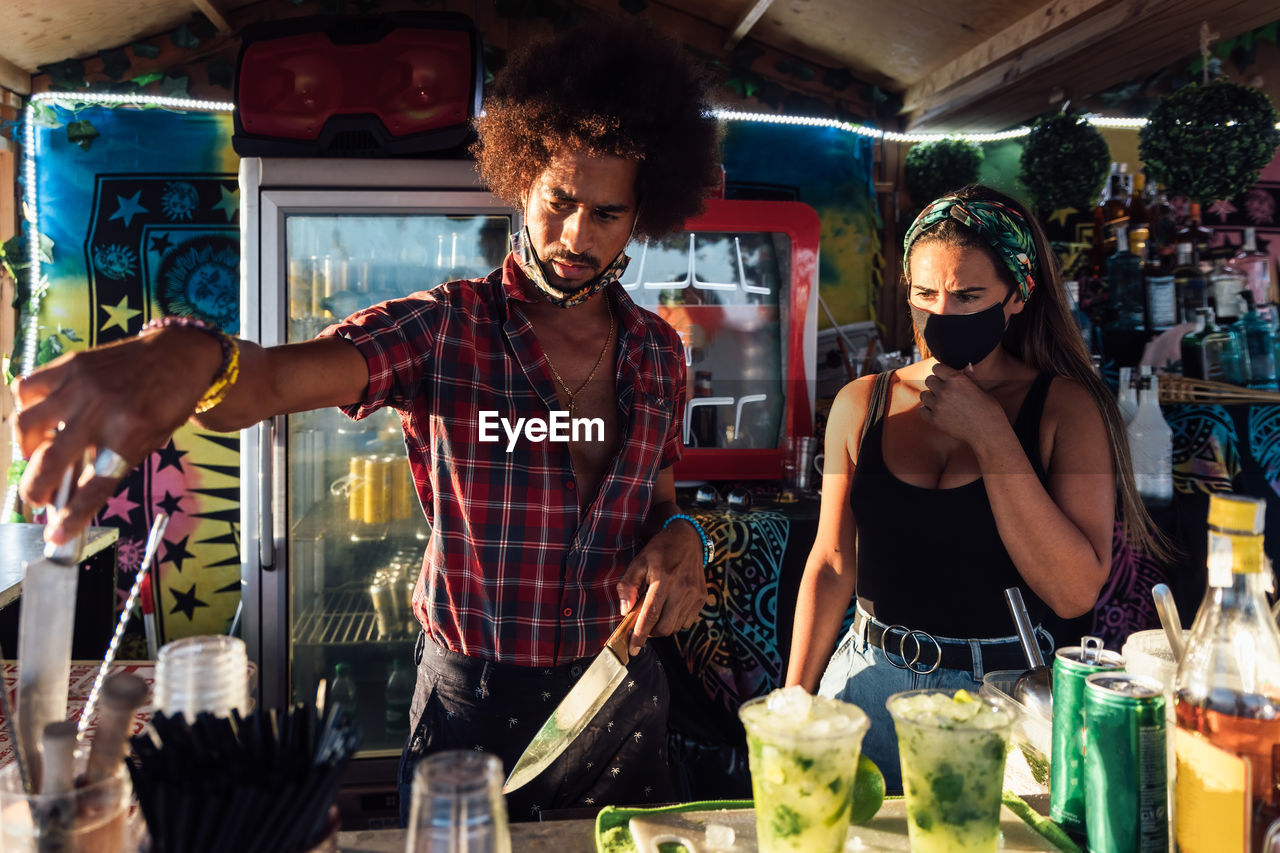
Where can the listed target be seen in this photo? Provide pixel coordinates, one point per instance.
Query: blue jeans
(861, 674)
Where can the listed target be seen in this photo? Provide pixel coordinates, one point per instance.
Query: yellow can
(355, 494)
(401, 488)
(377, 493)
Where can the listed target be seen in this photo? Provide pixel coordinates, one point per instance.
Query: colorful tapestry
(142, 208)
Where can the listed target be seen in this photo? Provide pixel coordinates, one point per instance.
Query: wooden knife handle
(619, 641)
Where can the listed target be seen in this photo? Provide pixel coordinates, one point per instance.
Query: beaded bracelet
(708, 549)
(228, 371)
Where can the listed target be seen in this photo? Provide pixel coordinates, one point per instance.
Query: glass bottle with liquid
(1212, 352)
(1227, 693)
(1189, 282)
(1126, 395)
(1151, 445)
(1124, 276)
(1254, 266)
(1260, 342)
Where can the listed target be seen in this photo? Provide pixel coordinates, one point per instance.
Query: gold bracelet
(228, 369)
(217, 391)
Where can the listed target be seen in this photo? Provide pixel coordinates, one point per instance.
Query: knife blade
(583, 701)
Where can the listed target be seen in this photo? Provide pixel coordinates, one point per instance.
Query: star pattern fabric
(129, 208)
(186, 602)
(119, 315)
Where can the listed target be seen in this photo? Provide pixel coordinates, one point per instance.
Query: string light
(35, 273)
(1107, 122)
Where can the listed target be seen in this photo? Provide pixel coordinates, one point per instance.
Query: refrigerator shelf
(344, 617)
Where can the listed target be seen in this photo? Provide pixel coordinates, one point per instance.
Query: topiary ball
(1209, 142)
(937, 167)
(1064, 163)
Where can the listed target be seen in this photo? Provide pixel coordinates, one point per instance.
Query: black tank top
(932, 559)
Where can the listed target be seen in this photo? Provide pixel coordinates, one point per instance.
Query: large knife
(583, 701)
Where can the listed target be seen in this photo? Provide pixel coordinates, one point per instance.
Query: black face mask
(958, 340)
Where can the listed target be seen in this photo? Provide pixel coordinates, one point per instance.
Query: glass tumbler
(457, 805)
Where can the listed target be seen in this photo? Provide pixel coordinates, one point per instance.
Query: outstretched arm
(132, 395)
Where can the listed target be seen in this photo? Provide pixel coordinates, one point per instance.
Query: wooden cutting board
(887, 831)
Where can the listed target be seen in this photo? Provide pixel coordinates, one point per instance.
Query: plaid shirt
(514, 571)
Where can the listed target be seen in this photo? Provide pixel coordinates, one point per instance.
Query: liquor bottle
(1098, 250)
(399, 697)
(1212, 352)
(1199, 237)
(1083, 323)
(1161, 292)
(1126, 395)
(1136, 210)
(1225, 289)
(1124, 275)
(1189, 282)
(1255, 266)
(343, 689)
(1118, 194)
(1151, 447)
(1227, 693)
(1260, 341)
(1164, 221)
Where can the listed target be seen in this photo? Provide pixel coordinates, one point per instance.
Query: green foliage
(81, 133)
(935, 168)
(794, 68)
(1209, 142)
(114, 62)
(1064, 163)
(184, 38)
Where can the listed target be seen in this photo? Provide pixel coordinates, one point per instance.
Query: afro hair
(604, 88)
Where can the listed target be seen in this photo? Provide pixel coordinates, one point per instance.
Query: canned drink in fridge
(355, 495)
(1071, 665)
(401, 489)
(384, 607)
(1126, 785)
(377, 492)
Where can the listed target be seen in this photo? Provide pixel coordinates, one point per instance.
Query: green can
(1071, 665)
(1126, 770)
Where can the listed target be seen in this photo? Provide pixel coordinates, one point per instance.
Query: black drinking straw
(264, 782)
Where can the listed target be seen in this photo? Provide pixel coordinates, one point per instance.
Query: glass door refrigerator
(332, 531)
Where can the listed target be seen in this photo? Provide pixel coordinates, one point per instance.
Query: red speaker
(385, 86)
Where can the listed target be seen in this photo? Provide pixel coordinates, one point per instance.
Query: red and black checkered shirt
(514, 571)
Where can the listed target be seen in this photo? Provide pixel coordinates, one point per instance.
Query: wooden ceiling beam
(1051, 34)
(14, 78)
(746, 22)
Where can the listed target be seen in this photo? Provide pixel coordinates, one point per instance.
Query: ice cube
(793, 702)
(719, 837)
(854, 843)
(817, 729)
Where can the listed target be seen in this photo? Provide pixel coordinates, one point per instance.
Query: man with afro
(597, 135)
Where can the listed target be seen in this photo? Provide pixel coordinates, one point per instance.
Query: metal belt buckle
(914, 636)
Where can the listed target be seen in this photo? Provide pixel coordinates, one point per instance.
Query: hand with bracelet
(671, 571)
(117, 402)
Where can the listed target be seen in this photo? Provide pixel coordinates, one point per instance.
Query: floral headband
(1002, 227)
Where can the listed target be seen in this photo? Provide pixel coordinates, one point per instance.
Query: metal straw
(153, 544)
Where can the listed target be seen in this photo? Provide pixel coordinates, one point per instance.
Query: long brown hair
(1045, 336)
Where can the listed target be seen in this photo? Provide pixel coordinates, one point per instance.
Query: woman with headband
(996, 461)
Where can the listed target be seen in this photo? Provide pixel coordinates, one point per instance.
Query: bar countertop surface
(20, 543)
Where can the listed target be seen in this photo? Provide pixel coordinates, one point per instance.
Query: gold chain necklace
(600, 360)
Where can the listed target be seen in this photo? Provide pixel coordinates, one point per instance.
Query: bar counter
(21, 543)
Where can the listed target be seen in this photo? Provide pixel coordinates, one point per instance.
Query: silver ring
(884, 647)
(109, 464)
(912, 665)
(914, 636)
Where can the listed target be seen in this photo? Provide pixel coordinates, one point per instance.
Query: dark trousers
(467, 703)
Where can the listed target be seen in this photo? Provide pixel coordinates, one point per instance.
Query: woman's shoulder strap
(877, 406)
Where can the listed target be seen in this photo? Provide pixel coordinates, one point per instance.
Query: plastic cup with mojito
(952, 748)
(803, 752)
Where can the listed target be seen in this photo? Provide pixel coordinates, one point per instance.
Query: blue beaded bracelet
(708, 549)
